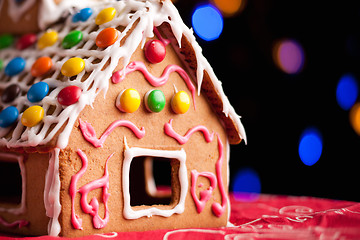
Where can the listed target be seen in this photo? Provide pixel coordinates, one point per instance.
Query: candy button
(37, 92)
(155, 101)
(8, 116)
(1, 64)
(10, 93)
(73, 67)
(107, 37)
(32, 116)
(41, 66)
(73, 38)
(47, 39)
(83, 15)
(26, 41)
(155, 51)
(15, 66)
(6, 40)
(105, 15)
(128, 100)
(69, 95)
(180, 102)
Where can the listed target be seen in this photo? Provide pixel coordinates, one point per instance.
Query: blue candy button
(8, 116)
(15, 66)
(83, 15)
(38, 91)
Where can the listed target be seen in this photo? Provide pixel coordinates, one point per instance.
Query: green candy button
(1, 64)
(73, 38)
(155, 101)
(6, 40)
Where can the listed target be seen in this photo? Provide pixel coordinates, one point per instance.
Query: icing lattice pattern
(140, 16)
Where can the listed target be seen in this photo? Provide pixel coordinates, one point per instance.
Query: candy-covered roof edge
(147, 15)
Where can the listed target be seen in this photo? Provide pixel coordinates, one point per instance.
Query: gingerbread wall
(201, 155)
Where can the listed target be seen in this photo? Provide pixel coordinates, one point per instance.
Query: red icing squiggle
(89, 133)
(20, 223)
(205, 195)
(154, 81)
(217, 208)
(183, 139)
(91, 208)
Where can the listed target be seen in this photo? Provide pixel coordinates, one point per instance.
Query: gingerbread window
(135, 165)
(12, 182)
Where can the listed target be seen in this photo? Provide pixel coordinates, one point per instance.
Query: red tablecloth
(269, 217)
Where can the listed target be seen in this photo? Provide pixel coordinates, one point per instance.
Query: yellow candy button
(180, 102)
(73, 67)
(105, 15)
(47, 39)
(128, 100)
(32, 116)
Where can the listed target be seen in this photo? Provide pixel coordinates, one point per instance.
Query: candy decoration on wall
(83, 15)
(155, 101)
(47, 39)
(26, 41)
(73, 38)
(180, 102)
(41, 66)
(32, 116)
(8, 116)
(15, 66)
(10, 93)
(155, 51)
(107, 37)
(69, 95)
(128, 100)
(37, 92)
(73, 67)
(6, 40)
(105, 15)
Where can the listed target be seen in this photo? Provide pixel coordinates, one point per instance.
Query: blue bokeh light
(310, 146)
(347, 91)
(246, 185)
(207, 22)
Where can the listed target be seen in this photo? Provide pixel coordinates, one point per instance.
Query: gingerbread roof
(135, 21)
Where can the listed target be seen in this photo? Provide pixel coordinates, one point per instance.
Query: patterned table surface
(267, 217)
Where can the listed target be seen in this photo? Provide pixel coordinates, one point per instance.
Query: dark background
(276, 107)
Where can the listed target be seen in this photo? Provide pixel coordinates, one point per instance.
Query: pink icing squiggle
(120, 75)
(205, 195)
(89, 133)
(20, 223)
(158, 35)
(183, 139)
(93, 207)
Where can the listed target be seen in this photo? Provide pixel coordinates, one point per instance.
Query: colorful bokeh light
(246, 185)
(347, 91)
(230, 7)
(289, 56)
(310, 146)
(207, 22)
(355, 118)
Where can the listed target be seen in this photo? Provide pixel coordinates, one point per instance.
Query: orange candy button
(41, 66)
(107, 37)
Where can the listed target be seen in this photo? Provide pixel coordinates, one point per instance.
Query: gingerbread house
(111, 120)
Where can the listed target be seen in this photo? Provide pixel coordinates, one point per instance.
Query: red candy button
(41, 66)
(155, 51)
(26, 41)
(107, 37)
(69, 95)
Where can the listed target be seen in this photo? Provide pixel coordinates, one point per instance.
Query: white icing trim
(10, 157)
(129, 154)
(52, 193)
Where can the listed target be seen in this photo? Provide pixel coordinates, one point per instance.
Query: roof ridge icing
(146, 15)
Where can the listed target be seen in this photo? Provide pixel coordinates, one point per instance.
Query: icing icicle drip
(156, 82)
(91, 208)
(89, 133)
